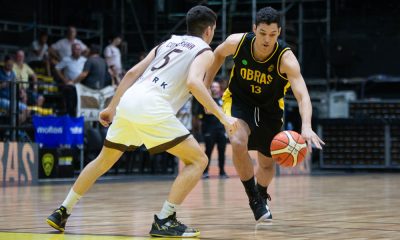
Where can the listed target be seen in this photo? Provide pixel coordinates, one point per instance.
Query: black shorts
(263, 125)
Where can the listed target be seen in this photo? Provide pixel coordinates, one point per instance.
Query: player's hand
(311, 138)
(106, 116)
(230, 123)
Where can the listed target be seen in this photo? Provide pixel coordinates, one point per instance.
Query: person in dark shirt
(264, 69)
(214, 133)
(95, 71)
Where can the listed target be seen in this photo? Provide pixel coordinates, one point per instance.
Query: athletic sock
(167, 210)
(262, 190)
(250, 187)
(70, 201)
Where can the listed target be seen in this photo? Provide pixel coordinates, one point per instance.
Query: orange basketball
(288, 148)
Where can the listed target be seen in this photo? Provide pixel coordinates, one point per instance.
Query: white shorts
(124, 134)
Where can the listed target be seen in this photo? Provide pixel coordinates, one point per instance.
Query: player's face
(266, 36)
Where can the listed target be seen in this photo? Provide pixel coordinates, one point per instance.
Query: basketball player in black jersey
(264, 69)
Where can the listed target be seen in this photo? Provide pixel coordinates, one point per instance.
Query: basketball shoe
(266, 197)
(171, 227)
(58, 218)
(260, 209)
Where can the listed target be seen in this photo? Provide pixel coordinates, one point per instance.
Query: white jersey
(162, 89)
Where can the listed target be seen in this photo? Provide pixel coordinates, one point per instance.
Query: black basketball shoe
(267, 198)
(171, 227)
(58, 219)
(260, 209)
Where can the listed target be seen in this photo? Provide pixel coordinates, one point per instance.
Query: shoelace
(268, 197)
(176, 222)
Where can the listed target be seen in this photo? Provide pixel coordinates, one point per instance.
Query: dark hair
(114, 35)
(7, 58)
(43, 33)
(198, 19)
(268, 15)
(95, 49)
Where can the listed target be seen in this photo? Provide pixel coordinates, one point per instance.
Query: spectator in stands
(39, 52)
(39, 48)
(214, 133)
(113, 57)
(62, 48)
(95, 71)
(6, 76)
(67, 70)
(23, 73)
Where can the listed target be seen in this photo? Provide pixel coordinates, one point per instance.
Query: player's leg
(241, 158)
(195, 160)
(264, 175)
(109, 155)
(165, 223)
(245, 169)
(266, 169)
(104, 161)
(266, 165)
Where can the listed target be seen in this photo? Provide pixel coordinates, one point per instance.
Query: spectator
(23, 72)
(39, 50)
(214, 133)
(39, 55)
(6, 76)
(113, 57)
(95, 72)
(67, 70)
(62, 48)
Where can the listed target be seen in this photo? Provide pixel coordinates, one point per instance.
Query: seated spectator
(39, 48)
(62, 48)
(23, 72)
(113, 58)
(6, 76)
(39, 52)
(67, 70)
(95, 71)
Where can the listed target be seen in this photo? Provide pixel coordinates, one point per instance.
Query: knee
(238, 145)
(267, 164)
(201, 161)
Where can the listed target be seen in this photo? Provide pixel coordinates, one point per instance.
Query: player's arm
(291, 67)
(227, 48)
(128, 80)
(196, 86)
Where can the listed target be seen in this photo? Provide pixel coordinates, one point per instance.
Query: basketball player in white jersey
(143, 110)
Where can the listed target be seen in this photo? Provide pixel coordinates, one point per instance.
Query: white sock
(167, 210)
(70, 201)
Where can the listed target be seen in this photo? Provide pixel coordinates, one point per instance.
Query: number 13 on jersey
(255, 89)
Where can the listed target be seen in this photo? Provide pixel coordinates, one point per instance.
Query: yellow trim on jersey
(227, 102)
(276, 49)
(279, 63)
(281, 104)
(281, 101)
(240, 44)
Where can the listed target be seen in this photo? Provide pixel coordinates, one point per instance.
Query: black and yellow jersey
(258, 83)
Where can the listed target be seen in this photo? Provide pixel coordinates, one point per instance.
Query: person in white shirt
(39, 48)
(112, 55)
(62, 48)
(67, 70)
(143, 110)
(71, 66)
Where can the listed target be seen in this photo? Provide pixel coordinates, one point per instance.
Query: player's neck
(262, 55)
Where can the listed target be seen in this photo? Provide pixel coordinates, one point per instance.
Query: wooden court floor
(303, 207)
